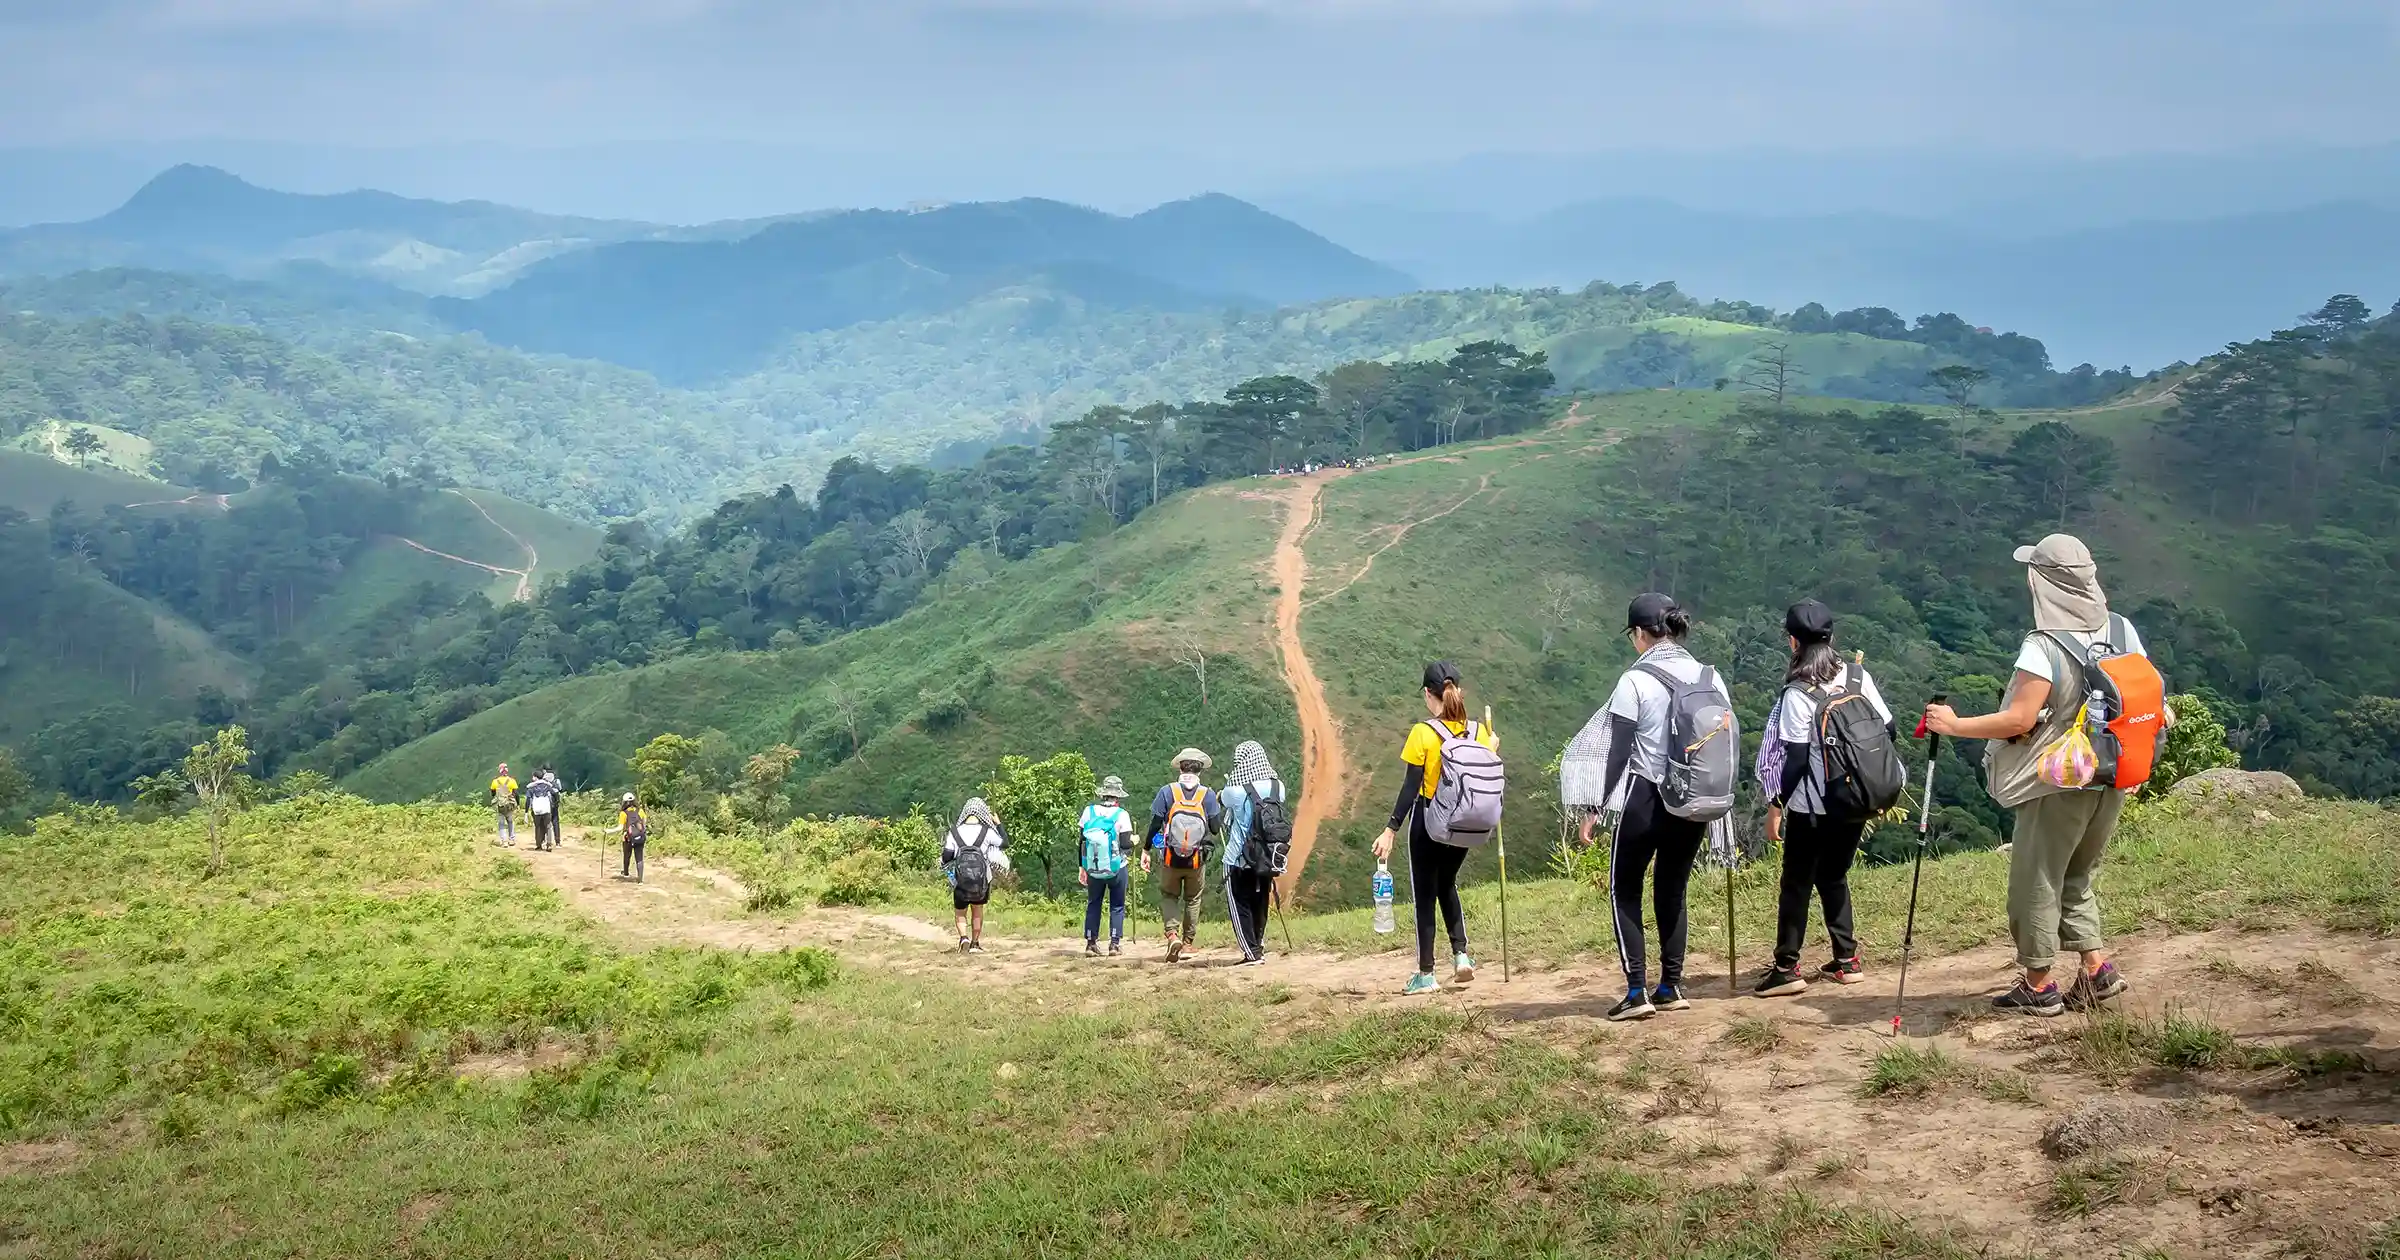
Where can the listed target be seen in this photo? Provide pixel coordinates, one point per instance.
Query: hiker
(1107, 840)
(1433, 866)
(1184, 818)
(1619, 762)
(633, 831)
(972, 857)
(1809, 810)
(504, 807)
(1258, 837)
(2064, 813)
(541, 801)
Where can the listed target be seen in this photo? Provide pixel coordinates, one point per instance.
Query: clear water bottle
(1383, 897)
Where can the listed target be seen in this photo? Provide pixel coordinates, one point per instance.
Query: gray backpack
(1465, 808)
(1704, 747)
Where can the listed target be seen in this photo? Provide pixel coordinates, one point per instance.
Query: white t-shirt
(2035, 659)
(1796, 721)
(1646, 700)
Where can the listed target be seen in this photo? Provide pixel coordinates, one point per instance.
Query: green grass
(309, 1055)
(152, 661)
(33, 484)
(1909, 1070)
(387, 568)
(121, 454)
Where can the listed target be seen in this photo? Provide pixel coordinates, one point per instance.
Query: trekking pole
(1277, 894)
(1908, 935)
(1733, 984)
(1500, 838)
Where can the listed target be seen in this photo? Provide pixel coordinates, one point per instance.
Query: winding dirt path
(221, 502)
(533, 559)
(1322, 767)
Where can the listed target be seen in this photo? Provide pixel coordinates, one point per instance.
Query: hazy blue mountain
(197, 218)
(692, 310)
(307, 304)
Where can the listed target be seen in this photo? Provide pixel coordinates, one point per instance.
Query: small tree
(1192, 654)
(2197, 742)
(217, 771)
(763, 776)
(1562, 594)
(15, 784)
(850, 709)
(82, 443)
(662, 768)
(1771, 374)
(1038, 802)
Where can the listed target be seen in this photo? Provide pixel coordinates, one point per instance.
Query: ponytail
(1678, 623)
(1454, 702)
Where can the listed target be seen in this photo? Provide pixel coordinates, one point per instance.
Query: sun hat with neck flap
(2065, 584)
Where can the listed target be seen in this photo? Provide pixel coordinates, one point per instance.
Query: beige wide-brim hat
(1192, 754)
(1112, 788)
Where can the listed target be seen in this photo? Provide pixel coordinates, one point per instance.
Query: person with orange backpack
(1185, 817)
(2078, 730)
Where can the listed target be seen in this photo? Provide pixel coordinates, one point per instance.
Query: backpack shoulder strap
(2069, 653)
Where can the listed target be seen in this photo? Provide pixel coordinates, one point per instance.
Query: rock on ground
(2104, 1124)
(2246, 785)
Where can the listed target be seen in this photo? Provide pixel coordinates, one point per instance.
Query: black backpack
(1864, 775)
(972, 868)
(637, 829)
(1269, 844)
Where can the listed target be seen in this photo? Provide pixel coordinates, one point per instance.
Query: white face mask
(1189, 781)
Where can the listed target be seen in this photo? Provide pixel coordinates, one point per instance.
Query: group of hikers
(544, 800)
(2078, 728)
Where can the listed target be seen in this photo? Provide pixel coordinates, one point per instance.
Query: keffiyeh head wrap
(1250, 763)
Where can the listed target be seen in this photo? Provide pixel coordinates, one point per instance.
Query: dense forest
(761, 570)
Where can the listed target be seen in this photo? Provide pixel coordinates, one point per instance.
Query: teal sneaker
(1422, 982)
(1462, 969)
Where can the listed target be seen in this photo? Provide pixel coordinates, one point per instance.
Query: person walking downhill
(541, 801)
(1107, 832)
(504, 807)
(972, 857)
(1184, 817)
(1619, 762)
(1258, 832)
(1432, 866)
(1819, 834)
(2065, 802)
(633, 832)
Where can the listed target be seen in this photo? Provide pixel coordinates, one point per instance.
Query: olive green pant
(1179, 890)
(2052, 857)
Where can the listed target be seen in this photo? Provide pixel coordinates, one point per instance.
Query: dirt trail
(2225, 1162)
(221, 502)
(533, 559)
(474, 564)
(1322, 766)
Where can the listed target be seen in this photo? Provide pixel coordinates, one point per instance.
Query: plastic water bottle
(1383, 897)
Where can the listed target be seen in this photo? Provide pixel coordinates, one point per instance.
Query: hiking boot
(1843, 971)
(2022, 1000)
(1635, 1006)
(1422, 982)
(1115, 949)
(2094, 987)
(1462, 969)
(1668, 997)
(1091, 949)
(1779, 982)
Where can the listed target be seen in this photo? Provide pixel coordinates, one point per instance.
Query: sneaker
(963, 942)
(1174, 949)
(975, 947)
(1255, 960)
(2020, 1000)
(1668, 997)
(1115, 948)
(1843, 971)
(1779, 982)
(1462, 969)
(2092, 988)
(1422, 982)
(1635, 1006)
(1091, 948)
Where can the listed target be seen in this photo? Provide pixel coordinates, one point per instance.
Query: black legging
(1645, 834)
(1246, 894)
(1817, 852)
(1433, 881)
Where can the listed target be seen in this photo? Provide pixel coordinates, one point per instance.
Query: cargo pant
(2053, 853)
(1179, 890)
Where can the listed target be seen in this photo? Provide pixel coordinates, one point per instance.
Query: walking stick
(1733, 985)
(1500, 838)
(1277, 894)
(1908, 935)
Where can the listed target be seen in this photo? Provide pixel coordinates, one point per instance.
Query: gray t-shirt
(1646, 701)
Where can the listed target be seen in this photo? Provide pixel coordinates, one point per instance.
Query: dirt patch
(34, 1158)
(509, 1065)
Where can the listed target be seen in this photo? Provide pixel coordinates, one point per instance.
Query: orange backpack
(2125, 706)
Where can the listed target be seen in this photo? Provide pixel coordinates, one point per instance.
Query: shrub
(863, 878)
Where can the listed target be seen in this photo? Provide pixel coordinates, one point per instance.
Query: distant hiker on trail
(971, 854)
(1433, 864)
(1663, 753)
(1258, 840)
(504, 807)
(2079, 727)
(1184, 818)
(633, 831)
(541, 800)
(1103, 854)
(1828, 762)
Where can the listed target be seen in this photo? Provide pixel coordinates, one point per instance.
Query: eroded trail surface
(1323, 769)
(2245, 1159)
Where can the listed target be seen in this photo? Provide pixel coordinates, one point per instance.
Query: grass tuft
(1754, 1033)
(1907, 1070)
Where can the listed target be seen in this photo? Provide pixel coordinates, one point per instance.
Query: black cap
(1648, 611)
(1439, 674)
(1809, 622)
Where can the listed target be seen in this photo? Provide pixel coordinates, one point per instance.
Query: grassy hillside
(119, 650)
(34, 483)
(474, 525)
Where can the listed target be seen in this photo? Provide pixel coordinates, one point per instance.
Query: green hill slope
(34, 483)
(462, 540)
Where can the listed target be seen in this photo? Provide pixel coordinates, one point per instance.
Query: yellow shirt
(504, 789)
(1422, 749)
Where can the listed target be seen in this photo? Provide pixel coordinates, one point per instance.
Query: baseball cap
(1648, 611)
(2058, 551)
(1439, 674)
(1808, 621)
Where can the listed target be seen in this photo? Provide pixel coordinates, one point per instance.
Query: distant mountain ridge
(694, 310)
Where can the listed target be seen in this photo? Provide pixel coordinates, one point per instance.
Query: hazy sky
(1269, 81)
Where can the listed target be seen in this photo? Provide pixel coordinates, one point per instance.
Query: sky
(964, 97)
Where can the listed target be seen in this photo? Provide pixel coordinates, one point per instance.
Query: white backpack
(1465, 809)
